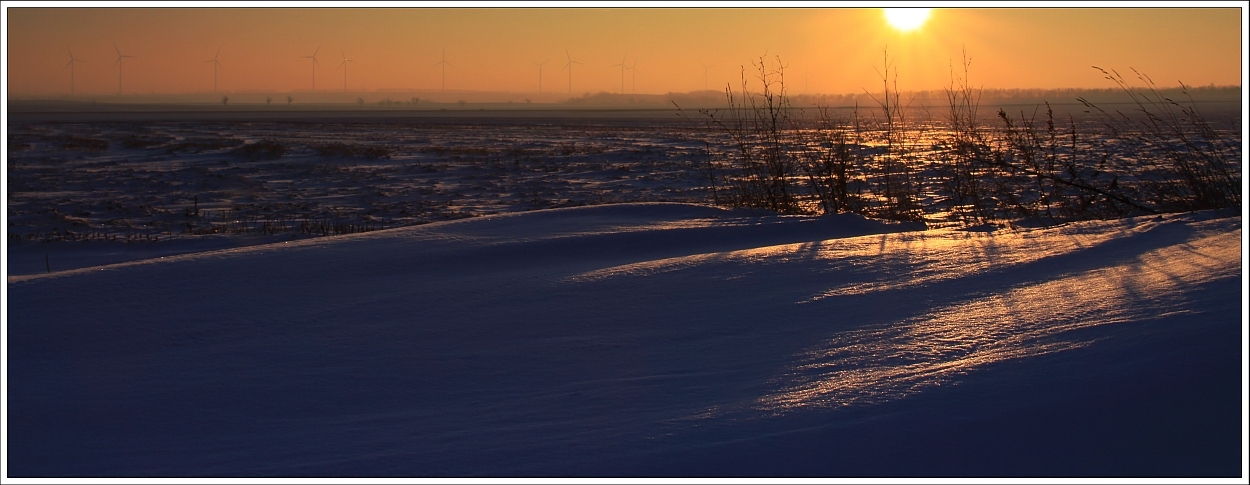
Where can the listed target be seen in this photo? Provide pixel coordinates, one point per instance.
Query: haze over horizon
(496, 49)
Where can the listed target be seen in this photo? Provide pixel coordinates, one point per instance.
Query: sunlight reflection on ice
(882, 363)
(889, 362)
(954, 254)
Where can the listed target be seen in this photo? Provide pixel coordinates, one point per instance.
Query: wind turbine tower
(444, 64)
(120, 56)
(705, 68)
(622, 64)
(344, 64)
(314, 66)
(72, 60)
(215, 64)
(540, 75)
(569, 66)
(633, 77)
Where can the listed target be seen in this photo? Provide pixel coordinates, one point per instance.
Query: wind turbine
(705, 68)
(120, 56)
(622, 64)
(314, 66)
(215, 64)
(344, 64)
(569, 66)
(633, 77)
(540, 74)
(444, 63)
(72, 60)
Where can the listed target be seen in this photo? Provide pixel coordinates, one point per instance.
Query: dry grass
(1032, 168)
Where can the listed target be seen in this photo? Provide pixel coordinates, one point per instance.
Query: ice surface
(643, 340)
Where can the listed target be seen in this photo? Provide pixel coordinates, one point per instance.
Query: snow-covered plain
(644, 340)
(143, 180)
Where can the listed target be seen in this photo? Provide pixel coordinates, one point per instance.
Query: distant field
(171, 172)
(139, 180)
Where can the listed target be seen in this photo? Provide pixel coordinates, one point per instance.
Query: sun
(906, 19)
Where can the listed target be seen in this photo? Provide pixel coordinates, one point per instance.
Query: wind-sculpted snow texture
(644, 340)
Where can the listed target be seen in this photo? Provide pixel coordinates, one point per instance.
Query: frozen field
(363, 294)
(142, 177)
(141, 181)
(644, 340)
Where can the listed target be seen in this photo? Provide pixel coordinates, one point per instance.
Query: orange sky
(827, 50)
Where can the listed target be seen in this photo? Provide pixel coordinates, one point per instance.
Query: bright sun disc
(906, 18)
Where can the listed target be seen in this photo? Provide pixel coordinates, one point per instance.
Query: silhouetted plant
(1202, 170)
(1166, 158)
(1093, 189)
(898, 187)
(833, 162)
(762, 165)
(966, 154)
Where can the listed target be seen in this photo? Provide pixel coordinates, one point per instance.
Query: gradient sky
(826, 50)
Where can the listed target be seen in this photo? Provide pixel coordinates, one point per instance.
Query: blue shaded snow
(643, 340)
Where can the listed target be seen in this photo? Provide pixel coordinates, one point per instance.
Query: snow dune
(643, 340)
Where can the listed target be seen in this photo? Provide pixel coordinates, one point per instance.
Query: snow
(137, 180)
(646, 339)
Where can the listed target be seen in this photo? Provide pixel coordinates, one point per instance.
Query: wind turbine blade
(119, 51)
(316, 51)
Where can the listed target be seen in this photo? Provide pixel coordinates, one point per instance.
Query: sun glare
(906, 19)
